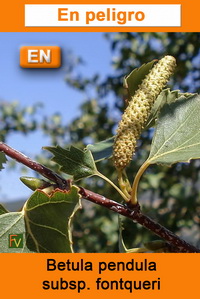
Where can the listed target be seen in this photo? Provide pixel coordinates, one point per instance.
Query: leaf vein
(176, 131)
(169, 152)
(47, 227)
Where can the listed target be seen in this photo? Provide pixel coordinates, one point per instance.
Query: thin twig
(176, 244)
(41, 169)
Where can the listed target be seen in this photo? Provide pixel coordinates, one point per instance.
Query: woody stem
(175, 243)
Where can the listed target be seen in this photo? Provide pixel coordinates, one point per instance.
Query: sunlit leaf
(12, 224)
(177, 135)
(165, 97)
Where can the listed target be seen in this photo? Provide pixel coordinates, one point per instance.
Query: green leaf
(12, 224)
(34, 183)
(177, 135)
(101, 150)
(79, 163)
(2, 160)
(74, 161)
(135, 78)
(44, 222)
(48, 220)
(165, 97)
(2, 210)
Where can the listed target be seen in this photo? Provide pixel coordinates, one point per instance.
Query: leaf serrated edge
(84, 151)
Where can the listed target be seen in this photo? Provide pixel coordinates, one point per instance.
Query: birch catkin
(138, 111)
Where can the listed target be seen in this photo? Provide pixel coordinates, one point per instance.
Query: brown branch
(41, 169)
(175, 243)
(136, 215)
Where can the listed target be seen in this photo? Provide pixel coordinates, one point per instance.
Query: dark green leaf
(48, 220)
(2, 160)
(44, 222)
(135, 78)
(102, 150)
(177, 135)
(74, 161)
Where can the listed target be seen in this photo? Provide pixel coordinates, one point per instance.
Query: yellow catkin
(139, 109)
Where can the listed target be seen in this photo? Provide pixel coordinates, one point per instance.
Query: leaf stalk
(140, 172)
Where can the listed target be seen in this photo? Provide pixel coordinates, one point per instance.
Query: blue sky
(29, 86)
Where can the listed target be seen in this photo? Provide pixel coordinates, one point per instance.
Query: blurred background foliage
(169, 195)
